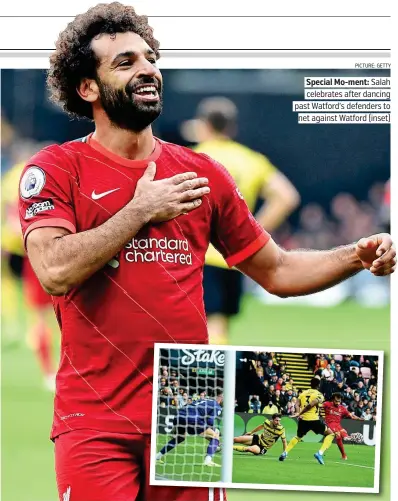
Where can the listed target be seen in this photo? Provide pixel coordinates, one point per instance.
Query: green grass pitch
(301, 468)
(185, 462)
(27, 453)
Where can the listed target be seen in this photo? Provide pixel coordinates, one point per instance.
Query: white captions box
(347, 94)
(332, 106)
(339, 118)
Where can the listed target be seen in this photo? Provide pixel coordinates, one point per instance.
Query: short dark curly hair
(75, 59)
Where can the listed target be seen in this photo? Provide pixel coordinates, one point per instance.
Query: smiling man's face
(129, 83)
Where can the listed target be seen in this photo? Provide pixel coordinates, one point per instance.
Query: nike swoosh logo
(97, 196)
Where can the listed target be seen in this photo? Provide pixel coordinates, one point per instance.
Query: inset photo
(188, 414)
(308, 419)
(267, 418)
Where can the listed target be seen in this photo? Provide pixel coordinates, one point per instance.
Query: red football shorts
(336, 428)
(98, 466)
(35, 295)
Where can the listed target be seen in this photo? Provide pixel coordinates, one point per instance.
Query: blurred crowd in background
(353, 376)
(347, 220)
(178, 387)
(182, 381)
(278, 392)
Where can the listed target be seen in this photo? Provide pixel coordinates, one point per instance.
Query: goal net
(193, 395)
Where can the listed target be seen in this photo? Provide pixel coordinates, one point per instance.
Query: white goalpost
(228, 415)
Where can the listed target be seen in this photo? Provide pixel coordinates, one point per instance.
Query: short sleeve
(283, 434)
(46, 194)
(235, 233)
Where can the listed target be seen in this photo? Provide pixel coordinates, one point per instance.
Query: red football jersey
(334, 415)
(150, 292)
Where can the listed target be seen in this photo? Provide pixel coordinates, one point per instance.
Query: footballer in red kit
(334, 413)
(105, 375)
(116, 226)
(103, 320)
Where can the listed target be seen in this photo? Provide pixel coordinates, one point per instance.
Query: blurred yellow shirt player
(11, 238)
(36, 302)
(12, 255)
(256, 177)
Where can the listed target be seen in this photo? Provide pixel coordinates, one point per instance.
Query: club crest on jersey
(32, 182)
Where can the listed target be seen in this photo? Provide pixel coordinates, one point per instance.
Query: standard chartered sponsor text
(166, 250)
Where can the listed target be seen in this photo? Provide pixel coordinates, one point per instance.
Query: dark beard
(126, 112)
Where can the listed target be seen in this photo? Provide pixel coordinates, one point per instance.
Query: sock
(170, 446)
(293, 442)
(43, 350)
(339, 442)
(327, 442)
(240, 448)
(212, 447)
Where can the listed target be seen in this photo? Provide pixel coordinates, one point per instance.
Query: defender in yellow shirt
(256, 178)
(307, 412)
(272, 430)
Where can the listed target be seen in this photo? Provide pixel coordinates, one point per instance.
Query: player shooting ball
(197, 419)
(334, 413)
(261, 444)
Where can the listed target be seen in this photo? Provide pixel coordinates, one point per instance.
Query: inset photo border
(225, 416)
